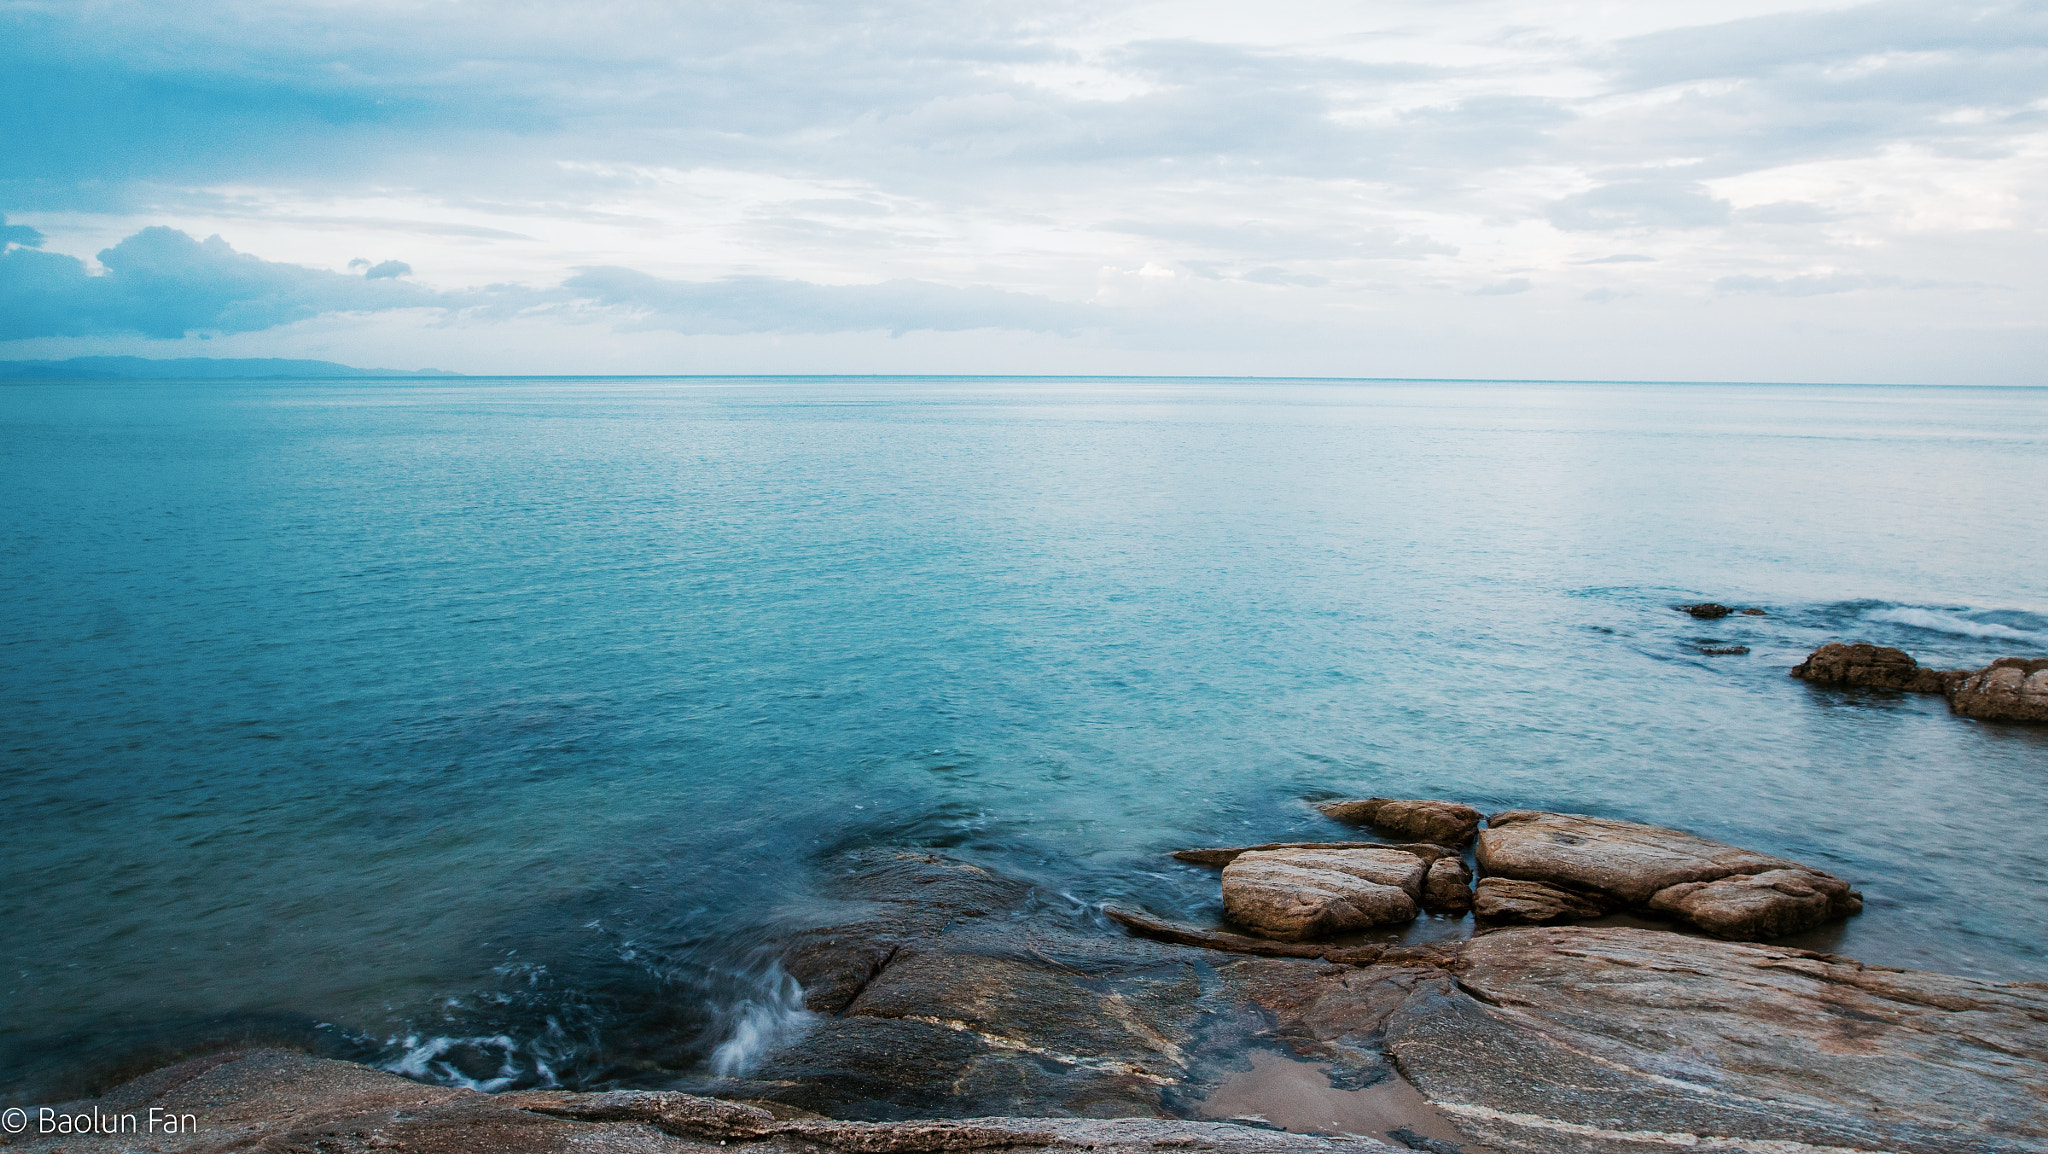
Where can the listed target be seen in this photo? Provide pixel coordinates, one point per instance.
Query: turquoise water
(483, 729)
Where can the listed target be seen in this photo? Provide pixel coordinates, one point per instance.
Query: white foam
(1939, 621)
(421, 1060)
(773, 1017)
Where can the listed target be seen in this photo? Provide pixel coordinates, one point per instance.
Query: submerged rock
(1297, 894)
(1708, 610)
(2009, 689)
(1519, 902)
(1626, 863)
(1438, 822)
(1448, 889)
(1873, 667)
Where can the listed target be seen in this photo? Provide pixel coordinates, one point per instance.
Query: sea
(491, 730)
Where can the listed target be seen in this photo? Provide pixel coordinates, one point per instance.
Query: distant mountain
(189, 368)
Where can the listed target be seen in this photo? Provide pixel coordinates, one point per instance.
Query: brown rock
(1605, 1040)
(1296, 894)
(1753, 907)
(892, 897)
(1706, 609)
(1532, 903)
(1224, 855)
(273, 1100)
(2009, 689)
(1438, 822)
(1753, 613)
(1448, 889)
(1624, 860)
(1872, 667)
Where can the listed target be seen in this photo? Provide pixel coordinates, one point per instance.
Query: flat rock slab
(273, 1100)
(1516, 902)
(1439, 822)
(1299, 894)
(1627, 863)
(2009, 689)
(1597, 1039)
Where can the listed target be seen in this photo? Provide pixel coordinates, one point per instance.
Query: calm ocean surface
(483, 729)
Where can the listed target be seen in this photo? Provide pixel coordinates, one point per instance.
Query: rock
(1160, 930)
(1437, 822)
(1753, 907)
(1625, 863)
(1448, 888)
(893, 897)
(277, 1100)
(1296, 894)
(1872, 667)
(1722, 650)
(1754, 613)
(1224, 855)
(1706, 609)
(2009, 689)
(1622, 860)
(1542, 1040)
(1605, 1040)
(1532, 903)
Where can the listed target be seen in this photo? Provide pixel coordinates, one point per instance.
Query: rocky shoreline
(950, 1008)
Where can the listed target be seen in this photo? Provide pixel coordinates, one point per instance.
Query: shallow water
(482, 728)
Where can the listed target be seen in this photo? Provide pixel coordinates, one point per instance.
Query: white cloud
(1310, 177)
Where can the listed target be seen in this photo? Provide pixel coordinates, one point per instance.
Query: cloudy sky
(1749, 190)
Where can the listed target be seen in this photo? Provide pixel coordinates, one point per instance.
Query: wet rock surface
(2009, 689)
(1872, 667)
(1707, 610)
(1444, 823)
(1296, 894)
(274, 1100)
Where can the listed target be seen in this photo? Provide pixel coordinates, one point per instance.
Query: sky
(1750, 190)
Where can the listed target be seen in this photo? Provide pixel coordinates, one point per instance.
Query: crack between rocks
(870, 979)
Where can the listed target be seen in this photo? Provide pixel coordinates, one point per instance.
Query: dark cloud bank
(162, 283)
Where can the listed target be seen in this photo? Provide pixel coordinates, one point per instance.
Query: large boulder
(1518, 902)
(1627, 863)
(1861, 665)
(1298, 894)
(1437, 822)
(1754, 907)
(2009, 689)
